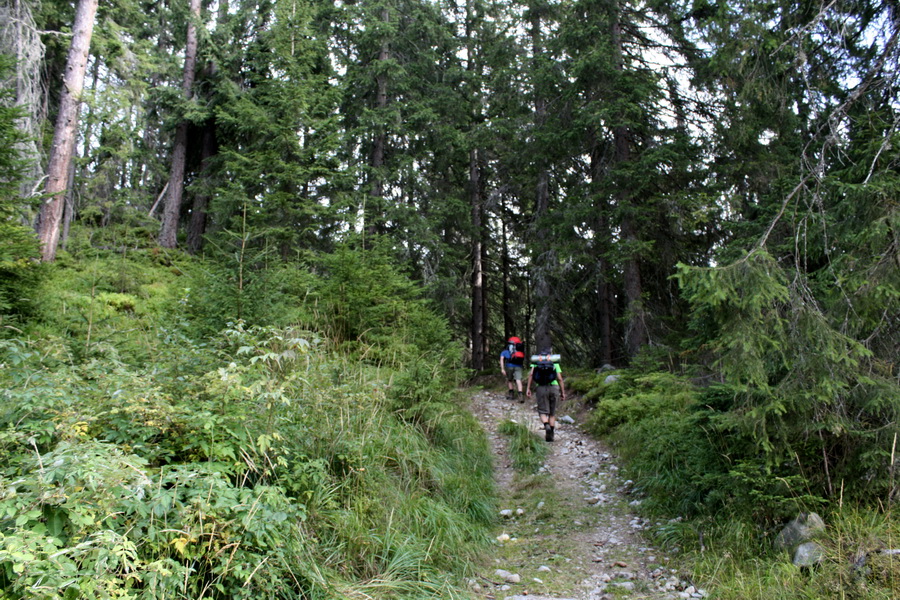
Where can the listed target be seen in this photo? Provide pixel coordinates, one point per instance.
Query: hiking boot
(521, 397)
(549, 435)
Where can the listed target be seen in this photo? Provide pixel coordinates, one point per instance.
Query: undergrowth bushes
(266, 461)
(695, 461)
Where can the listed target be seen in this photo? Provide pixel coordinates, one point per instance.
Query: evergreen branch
(885, 144)
(837, 115)
(29, 25)
(805, 29)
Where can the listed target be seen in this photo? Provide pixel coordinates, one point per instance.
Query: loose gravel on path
(570, 531)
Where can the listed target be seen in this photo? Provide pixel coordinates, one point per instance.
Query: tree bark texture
(507, 303)
(375, 213)
(478, 308)
(543, 254)
(66, 125)
(602, 235)
(197, 227)
(168, 235)
(636, 327)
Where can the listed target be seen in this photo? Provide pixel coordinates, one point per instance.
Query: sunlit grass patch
(526, 450)
(739, 562)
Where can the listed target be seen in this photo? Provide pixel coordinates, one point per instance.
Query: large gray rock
(808, 554)
(802, 529)
(507, 576)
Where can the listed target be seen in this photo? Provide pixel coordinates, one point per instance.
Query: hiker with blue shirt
(546, 374)
(512, 365)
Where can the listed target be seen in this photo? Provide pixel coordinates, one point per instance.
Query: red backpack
(516, 352)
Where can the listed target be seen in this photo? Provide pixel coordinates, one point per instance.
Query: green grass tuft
(526, 450)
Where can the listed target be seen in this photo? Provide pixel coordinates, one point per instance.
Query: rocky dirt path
(568, 532)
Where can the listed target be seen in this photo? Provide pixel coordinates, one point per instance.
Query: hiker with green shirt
(546, 374)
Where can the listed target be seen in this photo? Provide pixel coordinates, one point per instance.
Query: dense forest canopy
(711, 184)
(543, 167)
(550, 169)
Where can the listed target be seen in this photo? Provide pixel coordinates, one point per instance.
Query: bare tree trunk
(636, 328)
(543, 266)
(478, 316)
(506, 303)
(68, 206)
(605, 313)
(168, 234)
(19, 38)
(485, 313)
(543, 262)
(65, 131)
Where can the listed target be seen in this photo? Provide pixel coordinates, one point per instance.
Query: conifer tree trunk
(636, 328)
(478, 311)
(209, 149)
(485, 313)
(197, 227)
(65, 131)
(375, 213)
(168, 234)
(506, 294)
(604, 291)
(544, 253)
(479, 322)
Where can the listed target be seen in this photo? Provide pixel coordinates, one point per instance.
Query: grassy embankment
(155, 446)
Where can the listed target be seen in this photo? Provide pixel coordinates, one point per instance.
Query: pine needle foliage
(804, 392)
(18, 244)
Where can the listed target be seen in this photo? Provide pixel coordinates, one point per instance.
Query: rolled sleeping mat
(539, 357)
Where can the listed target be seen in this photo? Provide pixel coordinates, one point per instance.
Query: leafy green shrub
(632, 398)
(86, 520)
(587, 384)
(110, 304)
(258, 461)
(807, 393)
(700, 462)
(267, 294)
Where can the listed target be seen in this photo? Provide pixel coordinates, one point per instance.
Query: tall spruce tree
(627, 161)
(805, 147)
(275, 127)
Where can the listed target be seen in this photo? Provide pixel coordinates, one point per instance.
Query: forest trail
(573, 534)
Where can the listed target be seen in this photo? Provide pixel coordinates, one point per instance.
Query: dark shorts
(513, 372)
(547, 396)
